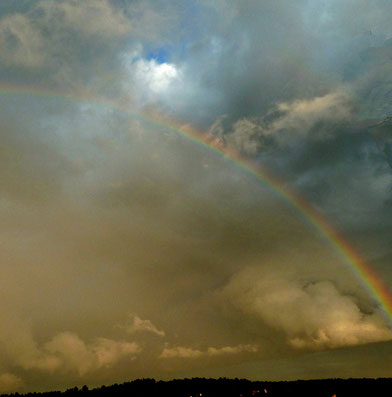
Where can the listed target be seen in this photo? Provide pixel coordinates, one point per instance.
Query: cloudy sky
(128, 250)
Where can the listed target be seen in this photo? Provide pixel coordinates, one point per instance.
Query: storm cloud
(130, 250)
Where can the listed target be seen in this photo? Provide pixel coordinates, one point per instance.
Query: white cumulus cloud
(75, 355)
(314, 315)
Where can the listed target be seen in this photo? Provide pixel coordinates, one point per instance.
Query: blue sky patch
(160, 55)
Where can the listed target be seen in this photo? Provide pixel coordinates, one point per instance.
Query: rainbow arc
(361, 269)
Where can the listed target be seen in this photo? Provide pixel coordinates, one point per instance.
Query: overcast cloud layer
(128, 250)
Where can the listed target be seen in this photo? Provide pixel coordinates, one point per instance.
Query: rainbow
(362, 270)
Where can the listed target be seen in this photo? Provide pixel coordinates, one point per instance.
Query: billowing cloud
(288, 121)
(179, 351)
(313, 315)
(187, 352)
(138, 324)
(153, 81)
(65, 352)
(301, 115)
(74, 354)
(246, 136)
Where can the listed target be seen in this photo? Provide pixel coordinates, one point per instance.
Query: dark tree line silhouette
(223, 387)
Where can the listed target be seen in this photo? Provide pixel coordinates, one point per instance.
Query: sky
(130, 250)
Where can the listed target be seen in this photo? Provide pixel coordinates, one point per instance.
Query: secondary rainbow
(362, 270)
